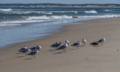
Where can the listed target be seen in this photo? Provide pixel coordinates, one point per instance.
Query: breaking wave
(6, 10)
(34, 19)
(91, 11)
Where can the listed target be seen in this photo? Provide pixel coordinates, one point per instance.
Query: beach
(105, 58)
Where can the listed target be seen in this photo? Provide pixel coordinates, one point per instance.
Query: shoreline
(16, 46)
(52, 34)
(105, 58)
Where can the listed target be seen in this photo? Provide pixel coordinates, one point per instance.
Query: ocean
(25, 22)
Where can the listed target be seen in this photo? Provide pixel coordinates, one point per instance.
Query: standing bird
(84, 41)
(77, 44)
(98, 42)
(67, 41)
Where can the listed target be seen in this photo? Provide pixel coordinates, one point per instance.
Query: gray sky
(60, 1)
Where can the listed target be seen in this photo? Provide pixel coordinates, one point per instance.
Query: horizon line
(60, 3)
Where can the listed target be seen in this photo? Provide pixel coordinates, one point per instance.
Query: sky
(61, 1)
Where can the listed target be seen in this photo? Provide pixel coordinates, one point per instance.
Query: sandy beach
(105, 58)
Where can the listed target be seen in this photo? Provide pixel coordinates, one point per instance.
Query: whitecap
(91, 11)
(6, 10)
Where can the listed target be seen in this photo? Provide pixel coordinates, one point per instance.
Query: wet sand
(105, 58)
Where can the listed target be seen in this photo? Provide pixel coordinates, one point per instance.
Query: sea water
(23, 22)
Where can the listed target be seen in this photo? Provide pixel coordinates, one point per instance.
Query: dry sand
(105, 58)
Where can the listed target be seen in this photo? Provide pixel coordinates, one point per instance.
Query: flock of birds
(60, 46)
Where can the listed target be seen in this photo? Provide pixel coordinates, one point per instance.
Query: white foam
(67, 17)
(38, 18)
(34, 19)
(64, 12)
(50, 13)
(27, 12)
(98, 16)
(6, 10)
(17, 22)
(91, 11)
(76, 12)
(61, 17)
(20, 21)
(6, 24)
(51, 19)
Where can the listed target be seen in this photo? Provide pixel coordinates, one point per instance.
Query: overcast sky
(60, 1)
